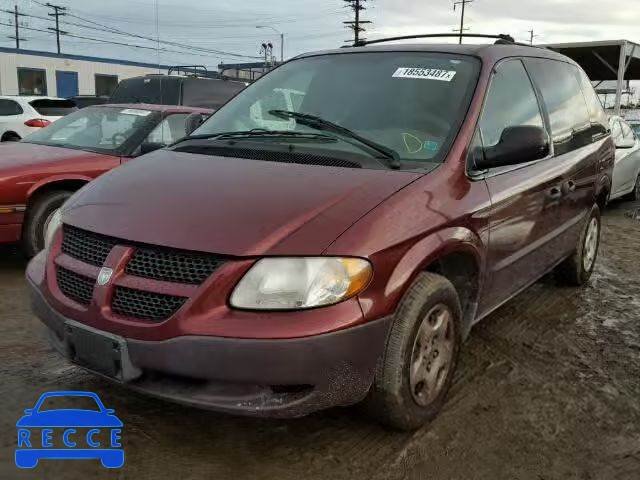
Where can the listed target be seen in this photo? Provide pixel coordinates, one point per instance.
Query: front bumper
(260, 377)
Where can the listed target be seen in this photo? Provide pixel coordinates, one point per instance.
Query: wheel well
(603, 198)
(9, 134)
(461, 269)
(62, 185)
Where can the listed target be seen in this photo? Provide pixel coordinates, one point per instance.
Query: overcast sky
(229, 26)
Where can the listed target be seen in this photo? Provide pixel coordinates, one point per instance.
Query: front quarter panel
(440, 214)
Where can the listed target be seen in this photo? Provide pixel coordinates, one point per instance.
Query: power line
(58, 11)
(356, 24)
(461, 29)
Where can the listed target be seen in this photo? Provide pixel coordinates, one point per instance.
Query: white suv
(20, 116)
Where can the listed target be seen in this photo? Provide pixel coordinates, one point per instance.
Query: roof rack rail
(188, 70)
(502, 38)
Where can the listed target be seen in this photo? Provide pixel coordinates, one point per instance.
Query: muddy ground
(548, 388)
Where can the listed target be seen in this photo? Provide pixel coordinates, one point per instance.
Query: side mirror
(517, 145)
(192, 122)
(109, 411)
(148, 147)
(29, 411)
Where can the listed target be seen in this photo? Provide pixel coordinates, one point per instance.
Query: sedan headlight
(55, 222)
(299, 283)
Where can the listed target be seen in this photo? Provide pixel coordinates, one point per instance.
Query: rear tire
(38, 216)
(419, 361)
(634, 196)
(10, 137)
(577, 269)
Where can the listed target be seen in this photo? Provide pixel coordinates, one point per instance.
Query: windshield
(635, 126)
(69, 402)
(411, 102)
(100, 129)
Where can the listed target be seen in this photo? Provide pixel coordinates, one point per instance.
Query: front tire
(578, 268)
(37, 219)
(419, 361)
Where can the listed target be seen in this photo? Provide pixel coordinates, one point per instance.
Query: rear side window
(511, 102)
(597, 116)
(9, 107)
(53, 108)
(205, 93)
(565, 102)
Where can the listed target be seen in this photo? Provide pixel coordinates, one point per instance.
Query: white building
(29, 72)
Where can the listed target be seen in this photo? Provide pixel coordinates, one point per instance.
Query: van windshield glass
(410, 102)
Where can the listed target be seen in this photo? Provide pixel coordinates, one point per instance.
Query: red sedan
(38, 174)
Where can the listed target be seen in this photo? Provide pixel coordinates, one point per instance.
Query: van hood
(230, 206)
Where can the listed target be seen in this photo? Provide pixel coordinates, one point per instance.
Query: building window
(105, 85)
(32, 81)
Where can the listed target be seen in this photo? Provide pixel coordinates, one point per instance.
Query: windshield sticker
(425, 73)
(134, 111)
(414, 145)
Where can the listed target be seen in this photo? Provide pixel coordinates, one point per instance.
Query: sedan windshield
(100, 129)
(411, 103)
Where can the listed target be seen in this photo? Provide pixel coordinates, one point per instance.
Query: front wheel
(421, 355)
(37, 220)
(577, 269)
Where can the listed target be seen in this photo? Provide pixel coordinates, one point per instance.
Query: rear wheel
(577, 269)
(37, 220)
(10, 137)
(420, 358)
(634, 196)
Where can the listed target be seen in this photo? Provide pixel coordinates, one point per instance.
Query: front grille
(173, 265)
(128, 302)
(156, 263)
(88, 247)
(77, 287)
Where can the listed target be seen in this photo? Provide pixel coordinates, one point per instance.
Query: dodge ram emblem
(104, 276)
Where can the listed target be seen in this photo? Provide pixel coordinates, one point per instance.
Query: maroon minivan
(331, 234)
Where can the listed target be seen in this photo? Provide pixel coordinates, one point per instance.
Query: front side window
(410, 102)
(565, 102)
(32, 81)
(169, 130)
(99, 129)
(510, 102)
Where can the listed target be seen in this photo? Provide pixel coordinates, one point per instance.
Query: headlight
(299, 283)
(55, 222)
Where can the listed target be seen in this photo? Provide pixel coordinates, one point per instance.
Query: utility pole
(16, 21)
(531, 36)
(58, 12)
(356, 25)
(464, 4)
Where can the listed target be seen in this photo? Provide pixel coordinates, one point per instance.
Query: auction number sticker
(425, 73)
(135, 111)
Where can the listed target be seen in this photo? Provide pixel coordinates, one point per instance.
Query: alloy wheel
(591, 244)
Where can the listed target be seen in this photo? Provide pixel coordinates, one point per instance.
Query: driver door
(526, 199)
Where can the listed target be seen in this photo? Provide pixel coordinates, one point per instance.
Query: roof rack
(502, 38)
(188, 70)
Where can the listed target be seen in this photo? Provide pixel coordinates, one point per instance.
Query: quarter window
(565, 102)
(9, 108)
(511, 102)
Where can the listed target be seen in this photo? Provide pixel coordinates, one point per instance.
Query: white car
(21, 115)
(626, 172)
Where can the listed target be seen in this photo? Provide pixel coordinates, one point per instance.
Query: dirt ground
(548, 388)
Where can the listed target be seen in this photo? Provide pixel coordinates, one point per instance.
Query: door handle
(569, 186)
(555, 193)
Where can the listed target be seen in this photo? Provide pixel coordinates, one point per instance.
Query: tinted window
(206, 93)
(53, 108)
(597, 116)
(32, 81)
(158, 90)
(9, 107)
(565, 102)
(411, 102)
(105, 85)
(511, 102)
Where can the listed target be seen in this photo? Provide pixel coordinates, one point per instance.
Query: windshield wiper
(256, 132)
(318, 123)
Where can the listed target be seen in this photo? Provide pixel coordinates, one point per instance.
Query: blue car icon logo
(95, 428)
